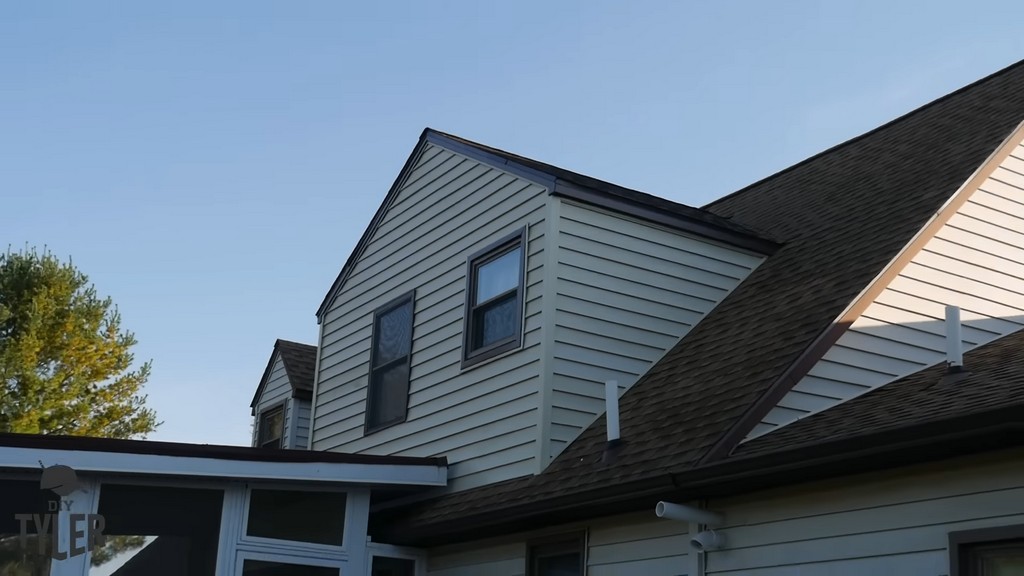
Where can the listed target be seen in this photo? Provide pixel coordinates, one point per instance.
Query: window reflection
(158, 531)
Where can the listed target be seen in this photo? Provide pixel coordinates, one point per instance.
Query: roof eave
(870, 452)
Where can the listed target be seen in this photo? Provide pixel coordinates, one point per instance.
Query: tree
(65, 363)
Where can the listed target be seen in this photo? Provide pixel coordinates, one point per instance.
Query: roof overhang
(871, 452)
(168, 459)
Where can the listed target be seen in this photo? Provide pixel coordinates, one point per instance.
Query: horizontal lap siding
(627, 291)
(878, 524)
(975, 261)
(637, 544)
(625, 545)
(507, 559)
(483, 419)
(277, 391)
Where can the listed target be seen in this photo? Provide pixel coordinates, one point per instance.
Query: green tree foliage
(65, 363)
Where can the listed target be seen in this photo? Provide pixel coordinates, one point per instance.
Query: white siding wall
(874, 524)
(629, 545)
(627, 292)
(484, 419)
(277, 390)
(975, 261)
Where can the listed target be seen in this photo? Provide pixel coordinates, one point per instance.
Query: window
(561, 556)
(995, 551)
(297, 515)
(388, 395)
(494, 300)
(271, 428)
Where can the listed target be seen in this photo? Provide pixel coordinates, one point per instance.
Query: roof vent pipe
(954, 342)
(611, 409)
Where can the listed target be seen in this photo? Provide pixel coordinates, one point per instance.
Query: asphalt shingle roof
(299, 362)
(993, 379)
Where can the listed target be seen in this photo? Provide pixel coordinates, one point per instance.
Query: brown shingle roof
(994, 378)
(841, 215)
(299, 362)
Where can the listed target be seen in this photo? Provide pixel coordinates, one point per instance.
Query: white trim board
(152, 464)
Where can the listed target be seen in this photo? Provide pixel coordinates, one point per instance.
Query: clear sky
(210, 165)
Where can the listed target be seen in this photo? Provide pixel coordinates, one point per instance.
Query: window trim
(473, 263)
(576, 541)
(961, 541)
(269, 409)
(409, 297)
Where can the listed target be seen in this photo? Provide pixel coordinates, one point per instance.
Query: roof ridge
(860, 137)
(294, 343)
(718, 219)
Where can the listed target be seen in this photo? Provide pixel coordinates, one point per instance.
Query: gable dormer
(492, 296)
(282, 404)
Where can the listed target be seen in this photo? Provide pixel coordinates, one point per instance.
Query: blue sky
(210, 165)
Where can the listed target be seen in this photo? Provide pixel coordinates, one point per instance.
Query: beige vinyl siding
(627, 291)
(624, 545)
(484, 419)
(975, 261)
(890, 523)
(277, 391)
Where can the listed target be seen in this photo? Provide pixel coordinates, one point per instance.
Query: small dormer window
(272, 428)
(494, 300)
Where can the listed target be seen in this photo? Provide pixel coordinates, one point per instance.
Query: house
(526, 371)
(793, 397)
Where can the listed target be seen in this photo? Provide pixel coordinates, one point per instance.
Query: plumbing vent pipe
(954, 342)
(611, 409)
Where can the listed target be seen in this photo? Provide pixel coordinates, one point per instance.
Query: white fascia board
(153, 464)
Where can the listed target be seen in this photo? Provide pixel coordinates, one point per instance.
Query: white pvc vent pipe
(611, 409)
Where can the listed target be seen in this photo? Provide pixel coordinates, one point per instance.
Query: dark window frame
(370, 427)
(471, 356)
(281, 407)
(961, 543)
(556, 544)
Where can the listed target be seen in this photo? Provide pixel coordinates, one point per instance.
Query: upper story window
(387, 398)
(494, 300)
(271, 428)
